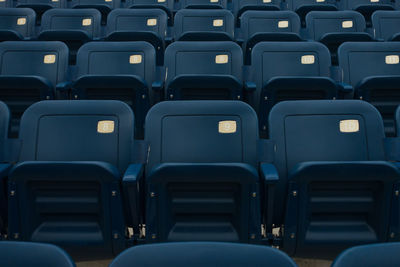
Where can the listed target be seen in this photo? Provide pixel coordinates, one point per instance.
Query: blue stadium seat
(397, 121)
(259, 26)
(370, 256)
(204, 25)
(148, 25)
(166, 5)
(30, 71)
(366, 7)
(386, 25)
(4, 168)
(338, 189)
(201, 173)
(373, 69)
(200, 254)
(17, 24)
(240, 6)
(65, 189)
(302, 7)
(17, 254)
(288, 71)
(203, 70)
(204, 4)
(40, 6)
(332, 28)
(73, 27)
(6, 3)
(104, 7)
(123, 71)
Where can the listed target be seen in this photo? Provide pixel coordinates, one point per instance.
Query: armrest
(205, 36)
(44, 86)
(157, 85)
(66, 35)
(250, 86)
(269, 173)
(181, 82)
(131, 182)
(346, 90)
(270, 177)
(64, 86)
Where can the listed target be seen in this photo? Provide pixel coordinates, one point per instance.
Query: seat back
(86, 20)
(14, 254)
(45, 59)
(4, 128)
(6, 3)
(78, 131)
(203, 128)
(97, 4)
(296, 59)
(212, 59)
(198, 254)
(239, 7)
(19, 20)
(319, 23)
(257, 22)
(41, 5)
(203, 4)
(188, 22)
(137, 20)
(369, 68)
(320, 128)
(369, 256)
(386, 24)
(357, 4)
(167, 5)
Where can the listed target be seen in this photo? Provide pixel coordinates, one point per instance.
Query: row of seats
(302, 7)
(76, 27)
(196, 254)
(127, 71)
(325, 178)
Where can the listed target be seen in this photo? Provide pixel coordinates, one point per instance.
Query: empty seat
(166, 5)
(41, 6)
(373, 69)
(65, 189)
(73, 27)
(4, 167)
(117, 70)
(288, 71)
(239, 6)
(148, 25)
(30, 72)
(336, 27)
(366, 7)
(338, 189)
(104, 7)
(200, 254)
(370, 256)
(204, 25)
(16, 254)
(258, 26)
(203, 4)
(17, 24)
(302, 7)
(203, 70)
(386, 25)
(201, 173)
